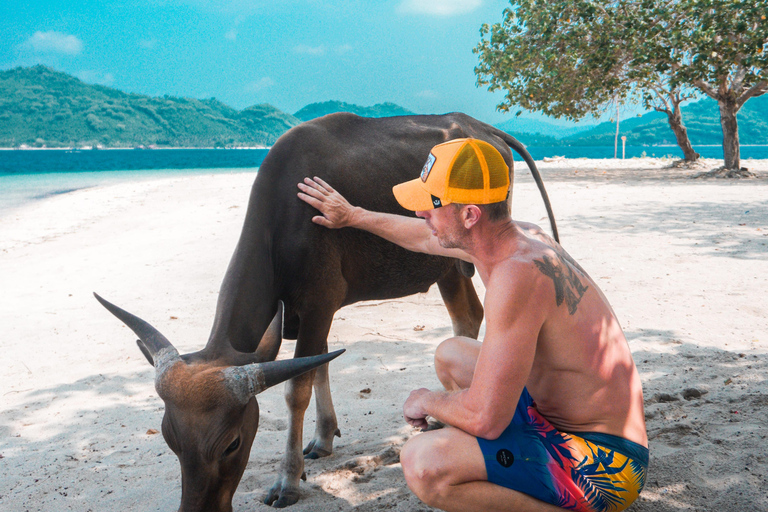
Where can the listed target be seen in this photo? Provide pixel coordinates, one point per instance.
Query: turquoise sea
(27, 176)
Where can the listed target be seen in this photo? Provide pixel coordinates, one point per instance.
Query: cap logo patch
(427, 167)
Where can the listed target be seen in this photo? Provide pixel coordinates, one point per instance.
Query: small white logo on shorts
(427, 167)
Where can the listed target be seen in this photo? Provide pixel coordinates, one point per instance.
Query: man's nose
(422, 213)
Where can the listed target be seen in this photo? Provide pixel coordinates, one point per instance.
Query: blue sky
(289, 53)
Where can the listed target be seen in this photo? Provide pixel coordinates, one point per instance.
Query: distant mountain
(315, 110)
(702, 119)
(521, 125)
(42, 107)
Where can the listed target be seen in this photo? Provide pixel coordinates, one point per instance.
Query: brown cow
(288, 277)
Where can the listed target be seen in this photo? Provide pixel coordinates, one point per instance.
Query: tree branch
(707, 89)
(738, 79)
(758, 89)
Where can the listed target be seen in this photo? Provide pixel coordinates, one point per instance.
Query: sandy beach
(684, 263)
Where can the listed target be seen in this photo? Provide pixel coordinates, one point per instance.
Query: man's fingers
(312, 188)
(324, 184)
(417, 422)
(319, 219)
(312, 201)
(322, 188)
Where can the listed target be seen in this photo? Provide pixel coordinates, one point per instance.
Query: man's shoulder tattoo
(568, 285)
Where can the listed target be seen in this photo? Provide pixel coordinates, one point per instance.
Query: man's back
(583, 378)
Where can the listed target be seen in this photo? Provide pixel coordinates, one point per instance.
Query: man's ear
(470, 215)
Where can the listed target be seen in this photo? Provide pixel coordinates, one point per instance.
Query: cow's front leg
(285, 492)
(327, 426)
(312, 340)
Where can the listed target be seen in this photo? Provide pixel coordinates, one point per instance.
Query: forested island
(41, 107)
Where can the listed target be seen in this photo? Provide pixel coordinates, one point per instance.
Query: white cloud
(94, 77)
(438, 7)
(54, 42)
(428, 94)
(310, 50)
(231, 34)
(258, 85)
(321, 50)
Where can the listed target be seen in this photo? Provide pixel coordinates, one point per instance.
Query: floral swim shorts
(590, 472)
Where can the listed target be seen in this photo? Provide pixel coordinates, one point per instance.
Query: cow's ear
(145, 352)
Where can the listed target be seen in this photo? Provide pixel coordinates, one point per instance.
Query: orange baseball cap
(464, 171)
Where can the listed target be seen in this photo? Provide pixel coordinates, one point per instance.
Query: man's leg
(445, 469)
(455, 360)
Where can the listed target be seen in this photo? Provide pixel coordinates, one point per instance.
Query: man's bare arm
(514, 317)
(408, 232)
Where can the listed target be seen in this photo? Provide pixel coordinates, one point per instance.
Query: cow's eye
(234, 445)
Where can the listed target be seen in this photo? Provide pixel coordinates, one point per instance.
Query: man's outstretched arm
(408, 232)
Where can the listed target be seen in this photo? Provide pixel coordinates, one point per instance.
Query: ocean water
(27, 176)
(757, 152)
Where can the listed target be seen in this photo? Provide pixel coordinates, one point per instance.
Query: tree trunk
(730, 126)
(675, 119)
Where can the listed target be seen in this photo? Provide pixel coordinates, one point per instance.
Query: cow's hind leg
(461, 300)
(313, 333)
(327, 425)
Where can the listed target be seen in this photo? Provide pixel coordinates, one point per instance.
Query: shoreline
(20, 192)
(146, 148)
(153, 147)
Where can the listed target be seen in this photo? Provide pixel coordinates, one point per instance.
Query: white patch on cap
(427, 167)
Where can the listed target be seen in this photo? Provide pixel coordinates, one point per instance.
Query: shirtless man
(547, 412)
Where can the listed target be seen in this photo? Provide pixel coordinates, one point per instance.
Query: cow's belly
(391, 272)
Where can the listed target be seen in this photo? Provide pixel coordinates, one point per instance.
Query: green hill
(522, 125)
(702, 119)
(315, 110)
(42, 107)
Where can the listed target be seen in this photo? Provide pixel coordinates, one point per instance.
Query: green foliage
(561, 57)
(40, 106)
(315, 110)
(709, 42)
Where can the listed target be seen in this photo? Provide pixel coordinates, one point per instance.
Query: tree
(553, 57)
(717, 46)
(661, 96)
(569, 59)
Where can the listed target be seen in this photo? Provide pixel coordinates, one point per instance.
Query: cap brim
(412, 196)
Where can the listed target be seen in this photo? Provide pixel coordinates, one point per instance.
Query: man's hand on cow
(413, 410)
(336, 211)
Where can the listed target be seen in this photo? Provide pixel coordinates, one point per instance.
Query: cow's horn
(155, 347)
(251, 379)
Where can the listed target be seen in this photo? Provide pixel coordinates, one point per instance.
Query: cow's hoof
(317, 448)
(281, 496)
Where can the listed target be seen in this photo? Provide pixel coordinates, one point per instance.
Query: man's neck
(492, 243)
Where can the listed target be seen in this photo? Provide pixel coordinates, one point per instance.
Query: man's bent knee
(455, 360)
(423, 474)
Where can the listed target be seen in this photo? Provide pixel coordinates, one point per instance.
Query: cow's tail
(519, 148)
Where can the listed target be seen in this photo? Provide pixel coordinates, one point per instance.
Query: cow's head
(211, 413)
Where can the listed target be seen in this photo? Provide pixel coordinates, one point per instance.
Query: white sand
(684, 263)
